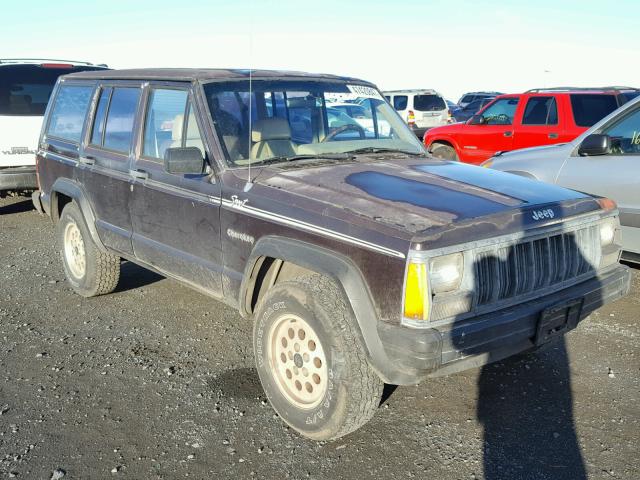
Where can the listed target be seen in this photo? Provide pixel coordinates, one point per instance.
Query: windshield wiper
(309, 156)
(385, 150)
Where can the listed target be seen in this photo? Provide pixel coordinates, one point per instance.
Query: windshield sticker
(364, 92)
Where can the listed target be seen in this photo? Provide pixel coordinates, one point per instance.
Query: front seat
(193, 138)
(272, 138)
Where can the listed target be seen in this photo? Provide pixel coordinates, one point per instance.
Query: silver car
(604, 160)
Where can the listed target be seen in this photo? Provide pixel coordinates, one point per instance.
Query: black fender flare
(75, 191)
(344, 272)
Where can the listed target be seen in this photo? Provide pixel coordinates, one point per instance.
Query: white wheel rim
(297, 361)
(74, 253)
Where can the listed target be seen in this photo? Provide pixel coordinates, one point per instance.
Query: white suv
(25, 87)
(421, 109)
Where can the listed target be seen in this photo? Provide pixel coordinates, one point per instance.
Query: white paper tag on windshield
(364, 91)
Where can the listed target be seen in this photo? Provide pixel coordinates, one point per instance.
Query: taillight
(38, 170)
(411, 118)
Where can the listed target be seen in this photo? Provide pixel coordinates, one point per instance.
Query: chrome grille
(507, 271)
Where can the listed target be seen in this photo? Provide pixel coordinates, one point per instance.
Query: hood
(538, 152)
(542, 163)
(449, 129)
(412, 194)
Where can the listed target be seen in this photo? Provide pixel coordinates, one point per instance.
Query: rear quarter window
(428, 103)
(69, 111)
(400, 102)
(588, 109)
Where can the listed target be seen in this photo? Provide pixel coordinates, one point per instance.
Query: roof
(419, 91)
(190, 74)
(482, 93)
(580, 89)
(39, 61)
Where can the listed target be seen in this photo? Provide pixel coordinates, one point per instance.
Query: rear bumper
(18, 178)
(417, 354)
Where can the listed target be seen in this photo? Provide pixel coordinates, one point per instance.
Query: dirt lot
(157, 381)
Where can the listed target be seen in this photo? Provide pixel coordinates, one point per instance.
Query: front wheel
(310, 360)
(89, 271)
(446, 152)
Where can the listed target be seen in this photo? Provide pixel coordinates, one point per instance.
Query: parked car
(469, 97)
(358, 261)
(511, 122)
(25, 86)
(465, 113)
(421, 109)
(604, 160)
(355, 113)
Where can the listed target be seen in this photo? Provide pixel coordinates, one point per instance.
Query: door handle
(508, 133)
(87, 160)
(139, 174)
(553, 135)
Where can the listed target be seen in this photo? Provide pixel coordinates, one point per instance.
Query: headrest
(270, 129)
(192, 129)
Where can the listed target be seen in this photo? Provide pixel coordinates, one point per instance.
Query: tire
(446, 152)
(345, 391)
(89, 271)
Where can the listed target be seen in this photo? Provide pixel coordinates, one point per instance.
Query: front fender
(347, 276)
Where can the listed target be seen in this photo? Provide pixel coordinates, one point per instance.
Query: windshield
(25, 89)
(277, 120)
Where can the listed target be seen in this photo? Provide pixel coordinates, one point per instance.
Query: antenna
(249, 184)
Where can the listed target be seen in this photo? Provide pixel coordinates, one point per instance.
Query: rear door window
(118, 130)
(69, 111)
(540, 111)
(428, 103)
(100, 116)
(400, 102)
(588, 109)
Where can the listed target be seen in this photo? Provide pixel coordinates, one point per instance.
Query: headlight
(608, 232)
(610, 241)
(445, 272)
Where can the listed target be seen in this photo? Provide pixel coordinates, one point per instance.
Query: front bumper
(18, 178)
(416, 354)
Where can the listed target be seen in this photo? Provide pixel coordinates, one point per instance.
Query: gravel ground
(157, 381)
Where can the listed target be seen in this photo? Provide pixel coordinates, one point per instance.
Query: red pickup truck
(536, 117)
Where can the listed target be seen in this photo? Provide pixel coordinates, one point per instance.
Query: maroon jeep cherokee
(359, 259)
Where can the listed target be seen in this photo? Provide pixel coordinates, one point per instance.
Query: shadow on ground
(18, 207)
(133, 276)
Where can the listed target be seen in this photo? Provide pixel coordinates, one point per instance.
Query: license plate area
(556, 320)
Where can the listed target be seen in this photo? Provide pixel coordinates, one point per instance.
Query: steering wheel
(345, 128)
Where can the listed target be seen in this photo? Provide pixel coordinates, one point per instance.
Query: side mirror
(477, 120)
(595, 144)
(184, 160)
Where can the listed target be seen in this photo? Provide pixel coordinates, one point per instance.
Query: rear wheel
(311, 363)
(89, 271)
(446, 152)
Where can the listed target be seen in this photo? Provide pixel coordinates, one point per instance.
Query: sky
(451, 46)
